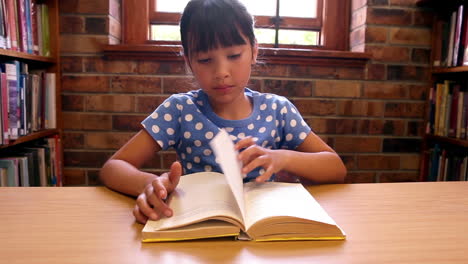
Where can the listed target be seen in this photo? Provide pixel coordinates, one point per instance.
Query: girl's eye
(235, 56)
(203, 61)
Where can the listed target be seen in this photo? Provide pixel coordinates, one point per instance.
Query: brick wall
(373, 117)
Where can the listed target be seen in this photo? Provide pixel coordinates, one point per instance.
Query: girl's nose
(221, 70)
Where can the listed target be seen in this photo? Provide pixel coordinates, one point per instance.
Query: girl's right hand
(151, 204)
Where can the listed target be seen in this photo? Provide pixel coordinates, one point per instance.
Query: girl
(219, 48)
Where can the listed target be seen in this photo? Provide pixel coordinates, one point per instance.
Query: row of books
(36, 164)
(451, 41)
(446, 164)
(28, 101)
(448, 109)
(24, 26)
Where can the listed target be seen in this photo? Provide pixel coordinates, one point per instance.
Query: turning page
(226, 155)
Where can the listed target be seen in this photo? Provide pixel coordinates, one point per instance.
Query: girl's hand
(254, 156)
(151, 204)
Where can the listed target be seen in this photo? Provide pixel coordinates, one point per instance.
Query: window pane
(165, 32)
(298, 8)
(265, 36)
(260, 8)
(298, 37)
(174, 6)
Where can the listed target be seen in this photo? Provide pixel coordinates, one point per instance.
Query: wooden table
(385, 223)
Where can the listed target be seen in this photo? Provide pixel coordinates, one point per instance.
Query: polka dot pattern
(187, 123)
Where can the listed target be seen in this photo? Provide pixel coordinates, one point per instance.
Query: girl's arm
(121, 172)
(313, 160)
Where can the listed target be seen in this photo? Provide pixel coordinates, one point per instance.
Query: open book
(211, 204)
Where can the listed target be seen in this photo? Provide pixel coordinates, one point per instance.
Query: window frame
(336, 20)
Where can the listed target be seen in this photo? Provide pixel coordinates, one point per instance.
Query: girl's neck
(235, 110)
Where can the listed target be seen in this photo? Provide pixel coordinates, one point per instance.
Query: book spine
(12, 24)
(13, 93)
(28, 22)
(5, 107)
(22, 25)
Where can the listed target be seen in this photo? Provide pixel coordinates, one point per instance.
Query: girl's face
(223, 73)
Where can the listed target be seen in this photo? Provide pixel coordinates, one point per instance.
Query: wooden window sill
(267, 55)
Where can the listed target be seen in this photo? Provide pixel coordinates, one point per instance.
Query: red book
(12, 25)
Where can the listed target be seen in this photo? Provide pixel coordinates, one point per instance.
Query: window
(290, 24)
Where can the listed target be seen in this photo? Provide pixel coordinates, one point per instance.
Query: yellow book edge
(301, 239)
(148, 240)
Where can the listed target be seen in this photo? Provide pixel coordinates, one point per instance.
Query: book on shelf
(446, 164)
(24, 26)
(450, 44)
(448, 108)
(210, 204)
(37, 163)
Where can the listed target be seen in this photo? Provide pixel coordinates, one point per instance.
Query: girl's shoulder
(268, 97)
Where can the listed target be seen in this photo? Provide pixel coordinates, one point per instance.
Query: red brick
(349, 161)
(85, 83)
(410, 162)
(110, 103)
(73, 140)
(72, 103)
(85, 121)
(93, 178)
(84, 6)
(385, 90)
(82, 43)
(404, 109)
(71, 64)
(86, 158)
(269, 70)
(410, 36)
(378, 162)
(98, 64)
(310, 71)
(315, 107)
(127, 122)
(73, 177)
(389, 53)
(357, 144)
(360, 108)
(360, 177)
(289, 87)
(337, 89)
(399, 177)
(72, 24)
(152, 67)
(106, 140)
(147, 104)
(376, 71)
(376, 34)
(178, 85)
(136, 84)
(391, 17)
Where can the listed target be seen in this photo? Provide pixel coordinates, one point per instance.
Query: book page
(226, 156)
(273, 199)
(198, 197)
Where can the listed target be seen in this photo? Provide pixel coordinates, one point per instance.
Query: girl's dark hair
(209, 24)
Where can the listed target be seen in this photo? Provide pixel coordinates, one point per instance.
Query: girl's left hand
(254, 156)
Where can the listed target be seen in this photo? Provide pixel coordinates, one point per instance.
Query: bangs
(208, 35)
(211, 24)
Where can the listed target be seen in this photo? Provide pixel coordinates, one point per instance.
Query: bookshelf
(445, 142)
(39, 113)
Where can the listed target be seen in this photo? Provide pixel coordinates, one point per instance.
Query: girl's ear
(254, 53)
(187, 63)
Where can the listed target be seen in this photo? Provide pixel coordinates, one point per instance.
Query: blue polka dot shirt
(185, 122)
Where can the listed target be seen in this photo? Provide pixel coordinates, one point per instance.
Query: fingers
(174, 174)
(245, 143)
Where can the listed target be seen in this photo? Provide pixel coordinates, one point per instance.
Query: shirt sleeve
(293, 127)
(164, 123)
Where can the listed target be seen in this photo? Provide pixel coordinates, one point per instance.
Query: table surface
(384, 223)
